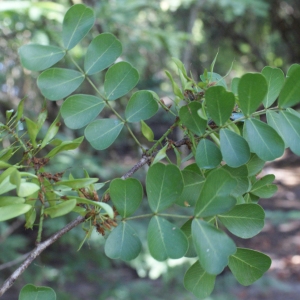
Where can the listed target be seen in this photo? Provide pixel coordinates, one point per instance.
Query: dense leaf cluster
(218, 188)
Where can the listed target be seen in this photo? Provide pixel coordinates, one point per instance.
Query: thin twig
(42, 246)
(15, 225)
(36, 252)
(15, 261)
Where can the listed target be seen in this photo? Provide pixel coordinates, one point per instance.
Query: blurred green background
(249, 34)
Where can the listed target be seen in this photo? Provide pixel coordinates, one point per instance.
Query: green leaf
(11, 211)
(244, 220)
(240, 174)
(180, 67)
(190, 118)
(212, 245)
(147, 131)
(248, 265)
(77, 22)
(102, 133)
(161, 154)
(66, 145)
(290, 130)
(198, 281)
(119, 80)
(291, 69)
(57, 83)
(275, 79)
(252, 90)
(263, 140)
(103, 205)
(20, 110)
(79, 110)
(208, 155)
(15, 179)
(30, 218)
(42, 117)
(51, 132)
(123, 243)
(186, 228)
(77, 183)
(234, 85)
(126, 195)
(234, 148)
(27, 188)
(101, 53)
(164, 185)
(176, 90)
(10, 200)
(290, 93)
(193, 184)
(275, 121)
(264, 188)
(141, 106)
(61, 209)
(254, 165)
(6, 184)
(219, 104)
(165, 240)
(37, 57)
(32, 130)
(30, 292)
(214, 77)
(215, 196)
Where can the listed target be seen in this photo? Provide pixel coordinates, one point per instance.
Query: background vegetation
(251, 34)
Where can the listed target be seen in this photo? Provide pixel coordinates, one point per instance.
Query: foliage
(218, 189)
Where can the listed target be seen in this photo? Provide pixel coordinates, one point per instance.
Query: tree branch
(36, 252)
(42, 246)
